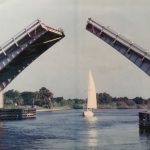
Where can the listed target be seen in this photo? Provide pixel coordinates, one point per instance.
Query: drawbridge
(22, 49)
(133, 52)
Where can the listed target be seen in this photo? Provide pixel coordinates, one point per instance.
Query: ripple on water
(68, 130)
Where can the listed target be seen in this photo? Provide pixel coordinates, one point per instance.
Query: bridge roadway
(26, 46)
(133, 52)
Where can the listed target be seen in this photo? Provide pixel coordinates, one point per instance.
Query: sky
(63, 69)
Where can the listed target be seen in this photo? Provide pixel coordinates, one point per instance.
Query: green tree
(45, 95)
(104, 98)
(28, 97)
(13, 96)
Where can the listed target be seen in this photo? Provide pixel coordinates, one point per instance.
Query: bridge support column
(1, 100)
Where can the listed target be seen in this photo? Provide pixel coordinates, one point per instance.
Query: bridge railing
(121, 38)
(57, 31)
(19, 35)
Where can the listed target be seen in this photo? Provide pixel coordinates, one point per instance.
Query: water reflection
(145, 138)
(67, 130)
(1, 125)
(92, 132)
(2, 136)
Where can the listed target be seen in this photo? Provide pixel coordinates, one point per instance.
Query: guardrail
(122, 39)
(19, 35)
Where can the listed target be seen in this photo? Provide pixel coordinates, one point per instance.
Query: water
(68, 130)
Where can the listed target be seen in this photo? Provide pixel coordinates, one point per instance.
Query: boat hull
(88, 113)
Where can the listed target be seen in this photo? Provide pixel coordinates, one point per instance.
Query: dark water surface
(68, 130)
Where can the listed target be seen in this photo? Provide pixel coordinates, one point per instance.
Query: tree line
(45, 98)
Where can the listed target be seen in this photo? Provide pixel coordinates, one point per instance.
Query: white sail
(91, 102)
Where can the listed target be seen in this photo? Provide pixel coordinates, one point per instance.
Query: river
(67, 130)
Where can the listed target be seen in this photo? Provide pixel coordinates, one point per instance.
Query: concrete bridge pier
(1, 100)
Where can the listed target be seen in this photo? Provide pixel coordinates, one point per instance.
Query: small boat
(91, 101)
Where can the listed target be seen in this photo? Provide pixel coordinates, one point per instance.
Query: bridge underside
(15, 58)
(130, 50)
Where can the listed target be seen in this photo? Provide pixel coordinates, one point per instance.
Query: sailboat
(91, 101)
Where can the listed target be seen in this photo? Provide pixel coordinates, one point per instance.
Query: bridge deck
(21, 50)
(131, 51)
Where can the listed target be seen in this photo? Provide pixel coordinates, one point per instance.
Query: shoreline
(60, 109)
(53, 109)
